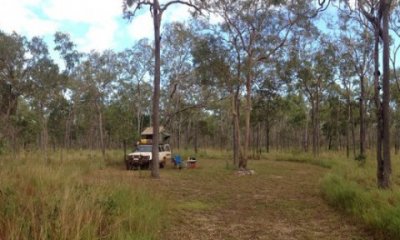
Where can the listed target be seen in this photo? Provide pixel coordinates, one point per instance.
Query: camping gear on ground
(191, 162)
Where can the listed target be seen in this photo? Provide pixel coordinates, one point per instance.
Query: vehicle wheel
(162, 165)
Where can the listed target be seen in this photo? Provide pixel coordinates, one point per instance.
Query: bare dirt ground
(281, 201)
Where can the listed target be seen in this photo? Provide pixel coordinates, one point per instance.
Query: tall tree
(377, 13)
(258, 29)
(136, 64)
(157, 11)
(45, 85)
(359, 54)
(15, 67)
(67, 49)
(178, 75)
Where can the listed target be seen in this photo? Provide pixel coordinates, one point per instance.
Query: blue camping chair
(178, 161)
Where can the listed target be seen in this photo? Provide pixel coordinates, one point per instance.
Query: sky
(92, 24)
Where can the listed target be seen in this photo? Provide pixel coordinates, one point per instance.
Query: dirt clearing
(281, 201)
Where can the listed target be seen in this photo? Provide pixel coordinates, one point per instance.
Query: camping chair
(177, 161)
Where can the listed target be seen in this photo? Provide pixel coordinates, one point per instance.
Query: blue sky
(92, 24)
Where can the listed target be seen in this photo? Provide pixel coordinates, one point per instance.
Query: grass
(81, 195)
(54, 200)
(351, 187)
(280, 201)
(323, 160)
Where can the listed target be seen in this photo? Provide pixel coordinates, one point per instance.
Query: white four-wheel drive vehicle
(141, 158)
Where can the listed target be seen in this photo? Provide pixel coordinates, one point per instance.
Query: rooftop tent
(147, 134)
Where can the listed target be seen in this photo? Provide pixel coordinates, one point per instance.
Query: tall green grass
(352, 188)
(58, 199)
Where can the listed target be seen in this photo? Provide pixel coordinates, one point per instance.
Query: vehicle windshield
(143, 148)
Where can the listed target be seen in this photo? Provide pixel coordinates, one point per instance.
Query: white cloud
(177, 13)
(142, 24)
(96, 24)
(141, 27)
(100, 16)
(100, 37)
(83, 11)
(17, 16)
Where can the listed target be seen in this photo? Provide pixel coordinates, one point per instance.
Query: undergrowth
(352, 188)
(53, 200)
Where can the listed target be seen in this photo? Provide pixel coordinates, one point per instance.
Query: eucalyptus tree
(14, 75)
(136, 65)
(315, 74)
(178, 76)
(121, 113)
(212, 63)
(45, 86)
(97, 75)
(346, 74)
(130, 7)
(72, 57)
(395, 30)
(222, 55)
(357, 46)
(256, 30)
(268, 106)
(377, 12)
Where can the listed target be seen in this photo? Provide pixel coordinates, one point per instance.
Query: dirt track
(281, 201)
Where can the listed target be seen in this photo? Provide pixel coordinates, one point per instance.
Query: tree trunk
(384, 175)
(317, 117)
(378, 104)
(348, 125)
(268, 131)
(222, 142)
(179, 130)
(195, 135)
(314, 128)
(353, 132)
(362, 119)
(396, 140)
(257, 152)
(236, 129)
(337, 134)
(155, 172)
(102, 145)
(305, 144)
(243, 162)
(45, 139)
(138, 114)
